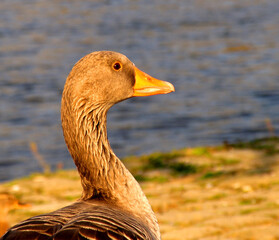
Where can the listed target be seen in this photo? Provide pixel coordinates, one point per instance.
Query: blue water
(222, 57)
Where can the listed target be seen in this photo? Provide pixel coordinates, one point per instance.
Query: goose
(112, 204)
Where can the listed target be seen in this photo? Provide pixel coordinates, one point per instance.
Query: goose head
(107, 78)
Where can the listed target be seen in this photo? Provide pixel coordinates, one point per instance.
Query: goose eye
(117, 66)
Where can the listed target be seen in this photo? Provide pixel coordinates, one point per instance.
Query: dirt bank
(209, 193)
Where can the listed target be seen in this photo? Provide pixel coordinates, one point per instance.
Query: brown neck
(85, 133)
(102, 174)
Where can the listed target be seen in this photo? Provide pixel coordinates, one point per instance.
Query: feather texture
(92, 219)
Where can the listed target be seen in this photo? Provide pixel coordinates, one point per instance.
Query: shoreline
(202, 188)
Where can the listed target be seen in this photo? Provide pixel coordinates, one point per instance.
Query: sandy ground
(234, 196)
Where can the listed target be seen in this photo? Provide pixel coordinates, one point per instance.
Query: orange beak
(146, 85)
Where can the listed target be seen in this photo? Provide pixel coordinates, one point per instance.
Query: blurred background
(222, 57)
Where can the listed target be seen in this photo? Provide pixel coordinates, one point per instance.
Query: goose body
(112, 205)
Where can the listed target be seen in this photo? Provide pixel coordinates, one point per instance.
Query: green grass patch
(210, 175)
(168, 161)
(268, 206)
(200, 151)
(190, 200)
(272, 205)
(71, 198)
(216, 174)
(228, 161)
(160, 160)
(249, 210)
(251, 201)
(68, 174)
(177, 189)
(268, 145)
(159, 179)
(217, 196)
(180, 168)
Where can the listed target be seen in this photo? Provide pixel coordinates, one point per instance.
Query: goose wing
(81, 221)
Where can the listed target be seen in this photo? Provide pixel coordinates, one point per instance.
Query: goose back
(91, 220)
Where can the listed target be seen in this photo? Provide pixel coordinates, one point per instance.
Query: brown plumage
(112, 205)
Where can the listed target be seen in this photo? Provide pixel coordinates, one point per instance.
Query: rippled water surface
(222, 57)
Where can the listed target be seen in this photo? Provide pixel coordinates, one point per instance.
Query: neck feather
(102, 174)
